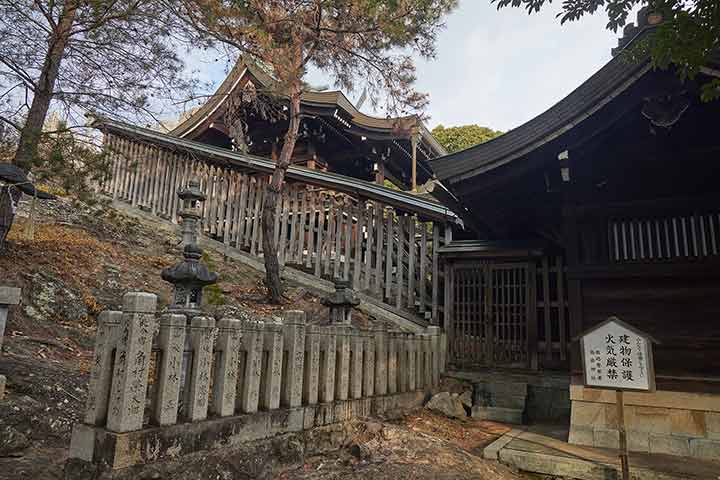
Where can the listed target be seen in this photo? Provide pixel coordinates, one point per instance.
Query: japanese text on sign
(615, 356)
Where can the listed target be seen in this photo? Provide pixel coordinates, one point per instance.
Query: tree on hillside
(687, 34)
(465, 136)
(117, 58)
(359, 43)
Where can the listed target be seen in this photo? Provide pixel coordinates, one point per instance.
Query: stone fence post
(311, 376)
(294, 343)
(101, 372)
(381, 360)
(202, 339)
(342, 369)
(356, 364)
(435, 339)
(8, 296)
(392, 366)
(171, 342)
(271, 377)
(368, 363)
(252, 348)
(132, 361)
(226, 375)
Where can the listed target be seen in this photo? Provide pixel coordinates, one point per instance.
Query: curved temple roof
(328, 99)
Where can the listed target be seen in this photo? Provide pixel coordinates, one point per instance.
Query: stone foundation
(121, 450)
(673, 423)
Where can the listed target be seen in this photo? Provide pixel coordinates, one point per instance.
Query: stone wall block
(101, 371)
(294, 363)
(588, 414)
(226, 374)
(705, 449)
(381, 359)
(606, 438)
(712, 422)
(171, 342)
(311, 374)
(202, 339)
(132, 361)
(368, 364)
(688, 422)
(669, 445)
(270, 395)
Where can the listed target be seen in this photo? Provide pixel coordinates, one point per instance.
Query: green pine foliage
(459, 138)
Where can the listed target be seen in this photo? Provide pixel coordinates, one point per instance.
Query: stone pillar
(381, 361)
(272, 371)
(410, 340)
(171, 341)
(226, 374)
(132, 361)
(311, 374)
(392, 365)
(8, 296)
(356, 364)
(434, 354)
(294, 363)
(443, 352)
(202, 339)
(368, 364)
(427, 364)
(101, 372)
(342, 362)
(419, 343)
(328, 351)
(402, 362)
(252, 346)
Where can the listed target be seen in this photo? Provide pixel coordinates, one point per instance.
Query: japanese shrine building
(607, 204)
(334, 135)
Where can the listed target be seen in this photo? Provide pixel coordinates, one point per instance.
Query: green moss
(214, 296)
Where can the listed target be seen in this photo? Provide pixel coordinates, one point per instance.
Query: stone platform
(686, 424)
(518, 396)
(120, 450)
(532, 452)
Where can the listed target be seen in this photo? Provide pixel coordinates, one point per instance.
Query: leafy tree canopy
(688, 35)
(465, 136)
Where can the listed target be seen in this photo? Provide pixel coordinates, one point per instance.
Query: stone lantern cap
(342, 296)
(192, 191)
(190, 271)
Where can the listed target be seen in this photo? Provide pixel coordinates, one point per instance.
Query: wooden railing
(388, 252)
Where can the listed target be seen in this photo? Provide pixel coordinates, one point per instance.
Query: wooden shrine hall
(334, 135)
(607, 204)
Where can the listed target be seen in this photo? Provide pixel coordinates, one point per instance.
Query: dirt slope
(81, 260)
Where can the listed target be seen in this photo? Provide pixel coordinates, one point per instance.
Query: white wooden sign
(617, 356)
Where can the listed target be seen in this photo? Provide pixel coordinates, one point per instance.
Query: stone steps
(499, 401)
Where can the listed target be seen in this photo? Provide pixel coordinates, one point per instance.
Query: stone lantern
(191, 197)
(341, 303)
(190, 275)
(188, 278)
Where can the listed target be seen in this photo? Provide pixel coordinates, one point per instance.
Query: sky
(495, 68)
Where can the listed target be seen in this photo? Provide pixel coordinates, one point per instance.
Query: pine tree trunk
(32, 130)
(272, 193)
(9, 197)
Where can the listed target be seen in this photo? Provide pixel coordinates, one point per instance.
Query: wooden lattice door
(492, 314)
